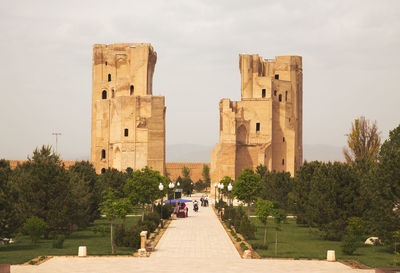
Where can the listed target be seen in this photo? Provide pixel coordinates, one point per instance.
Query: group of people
(181, 210)
(204, 201)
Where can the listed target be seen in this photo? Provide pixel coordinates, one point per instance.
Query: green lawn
(296, 241)
(98, 243)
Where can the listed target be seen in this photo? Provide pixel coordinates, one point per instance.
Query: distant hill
(201, 153)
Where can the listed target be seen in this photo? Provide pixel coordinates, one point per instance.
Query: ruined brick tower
(265, 127)
(128, 122)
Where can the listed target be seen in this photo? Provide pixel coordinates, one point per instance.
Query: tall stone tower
(128, 122)
(265, 127)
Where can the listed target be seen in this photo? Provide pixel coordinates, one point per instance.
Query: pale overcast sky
(350, 50)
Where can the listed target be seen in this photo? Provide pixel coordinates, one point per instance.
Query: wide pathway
(196, 244)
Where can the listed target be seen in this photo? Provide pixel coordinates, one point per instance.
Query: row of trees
(42, 187)
(66, 199)
(331, 196)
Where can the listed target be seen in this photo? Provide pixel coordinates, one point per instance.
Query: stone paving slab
(200, 235)
(164, 264)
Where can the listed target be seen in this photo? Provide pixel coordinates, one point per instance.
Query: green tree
(276, 186)
(35, 227)
(143, 189)
(186, 183)
(199, 185)
(264, 209)
(383, 190)
(354, 234)
(261, 170)
(363, 142)
(6, 206)
(226, 181)
(41, 187)
(299, 198)
(86, 192)
(206, 176)
(114, 208)
(114, 179)
(247, 187)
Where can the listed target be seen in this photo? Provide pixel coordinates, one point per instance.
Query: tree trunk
(265, 234)
(142, 212)
(152, 206)
(111, 238)
(276, 242)
(248, 210)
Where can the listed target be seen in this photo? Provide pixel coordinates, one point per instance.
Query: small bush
(258, 245)
(247, 229)
(148, 225)
(119, 235)
(228, 214)
(167, 209)
(35, 227)
(243, 246)
(153, 217)
(58, 241)
(350, 244)
(238, 239)
(132, 237)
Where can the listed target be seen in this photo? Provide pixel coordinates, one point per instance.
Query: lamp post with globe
(215, 194)
(170, 186)
(221, 186)
(161, 188)
(229, 193)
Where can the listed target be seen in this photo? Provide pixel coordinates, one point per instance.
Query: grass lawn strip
(301, 242)
(96, 238)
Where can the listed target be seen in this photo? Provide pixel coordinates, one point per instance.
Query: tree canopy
(363, 142)
(247, 187)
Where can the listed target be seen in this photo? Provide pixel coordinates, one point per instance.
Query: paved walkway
(196, 244)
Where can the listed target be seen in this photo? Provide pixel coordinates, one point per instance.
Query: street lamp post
(170, 186)
(221, 187)
(215, 194)
(229, 193)
(161, 188)
(230, 203)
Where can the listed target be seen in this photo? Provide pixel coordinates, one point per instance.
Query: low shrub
(350, 244)
(243, 246)
(247, 229)
(128, 237)
(167, 210)
(147, 225)
(132, 237)
(228, 214)
(35, 227)
(58, 241)
(119, 235)
(153, 217)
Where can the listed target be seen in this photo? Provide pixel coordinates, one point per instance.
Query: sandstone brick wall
(174, 170)
(15, 163)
